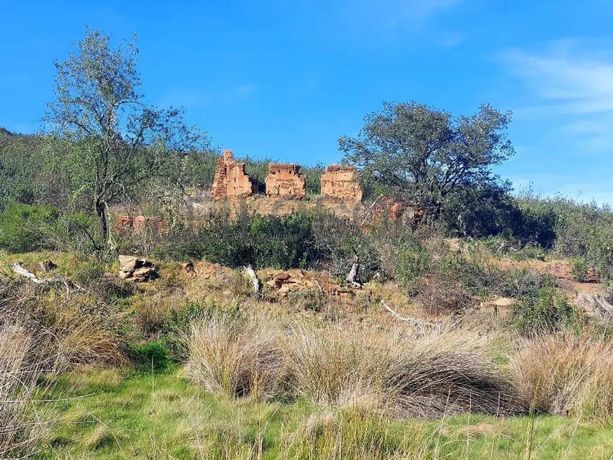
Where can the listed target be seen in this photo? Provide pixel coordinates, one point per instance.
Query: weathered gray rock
(136, 269)
(595, 305)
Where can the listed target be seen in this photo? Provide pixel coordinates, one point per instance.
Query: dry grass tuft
(19, 427)
(386, 371)
(448, 373)
(330, 366)
(236, 359)
(565, 374)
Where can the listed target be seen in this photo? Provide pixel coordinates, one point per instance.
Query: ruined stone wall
(285, 180)
(341, 182)
(126, 224)
(338, 183)
(231, 180)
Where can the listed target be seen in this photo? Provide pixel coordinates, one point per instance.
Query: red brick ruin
(284, 181)
(231, 180)
(137, 224)
(341, 182)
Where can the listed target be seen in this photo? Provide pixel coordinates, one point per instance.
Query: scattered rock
(188, 267)
(283, 276)
(47, 266)
(285, 282)
(136, 269)
(595, 305)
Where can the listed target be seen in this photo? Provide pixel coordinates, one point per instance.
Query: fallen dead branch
(353, 273)
(408, 319)
(253, 278)
(67, 283)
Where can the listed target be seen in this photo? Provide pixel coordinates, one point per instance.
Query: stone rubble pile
(136, 269)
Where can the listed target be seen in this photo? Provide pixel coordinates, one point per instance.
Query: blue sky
(284, 79)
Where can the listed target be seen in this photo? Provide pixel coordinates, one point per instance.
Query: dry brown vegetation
(394, 371)
(18, 431)
(566, 374)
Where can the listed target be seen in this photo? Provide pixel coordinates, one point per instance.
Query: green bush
(413, 261)
(579, 269)
(263, 241)
(545, 311)
(25, 228)
(536, 224)
(530, 251)
(339, 242)
(521, 283)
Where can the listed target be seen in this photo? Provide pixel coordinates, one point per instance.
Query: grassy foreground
(112, 414)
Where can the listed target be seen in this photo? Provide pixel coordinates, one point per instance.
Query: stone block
(230, 180)
(285, 180)
(341, 182)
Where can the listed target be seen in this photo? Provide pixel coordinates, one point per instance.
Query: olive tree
(428, 154)
(113, 142)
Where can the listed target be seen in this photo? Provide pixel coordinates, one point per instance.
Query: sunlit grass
(111, 414)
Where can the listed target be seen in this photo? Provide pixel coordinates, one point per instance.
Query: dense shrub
(571, 229)
(25, 228)
(545, 311)
(536, 224)
(480, 211)
(339, 242)
(521, 283)
(264, 241)
(413, 261)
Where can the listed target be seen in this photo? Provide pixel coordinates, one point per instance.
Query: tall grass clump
(235, 358)
(565, 374)
(334, 367)
(394, 372)
(78, 328)
(448, 373)
(20, 428)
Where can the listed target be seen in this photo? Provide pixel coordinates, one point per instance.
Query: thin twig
(415, 321)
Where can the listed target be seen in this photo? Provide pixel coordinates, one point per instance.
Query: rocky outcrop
(231, 180)
(341, 182)
(285, 180)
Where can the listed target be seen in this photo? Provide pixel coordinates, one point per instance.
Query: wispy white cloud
(578, 82)
(572, 84)
(451, 40)
(391, 15)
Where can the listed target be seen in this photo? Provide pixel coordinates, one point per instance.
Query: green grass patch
(110, 414)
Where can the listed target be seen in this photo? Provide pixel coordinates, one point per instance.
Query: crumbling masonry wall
(341, 182)
(285, 180)
(338, 183)
(231, 180)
